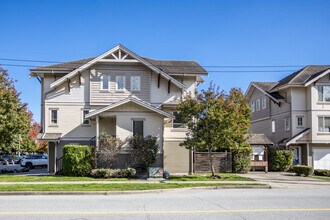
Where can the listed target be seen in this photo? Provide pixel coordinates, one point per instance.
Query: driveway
(287, 180)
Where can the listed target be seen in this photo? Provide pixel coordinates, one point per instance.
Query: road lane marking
(164, 211)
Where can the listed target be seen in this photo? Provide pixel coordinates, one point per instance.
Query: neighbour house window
(253, 106)
(177, 121)
(287, 124)
(324, 124)
(53, 116)
(300, 121)
(258, 104)
(135, 83)
(263, 102)
(120, 82)
(105, 82)
(85, 121)
(138, 127)
(273, 126)
(324, 93)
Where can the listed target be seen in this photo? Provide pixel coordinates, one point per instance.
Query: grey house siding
(262, 113)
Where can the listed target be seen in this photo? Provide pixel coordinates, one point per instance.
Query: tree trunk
(211, 163)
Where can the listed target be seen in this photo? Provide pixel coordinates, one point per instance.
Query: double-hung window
(120, 83)
(273, 126)
(135, 83)
(287, 124)
(258, 104)
(53, 116)
(263, 102)
(253, 106)
(300, 122)
(138, 127)
(177, 121)
(105, 82)
(324, 124)
(323, 93)
(85, 121)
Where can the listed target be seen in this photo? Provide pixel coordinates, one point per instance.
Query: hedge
(280, 160)
(77, 160)
(318, 172)
(303, 170)
(113, 173)
(241, 159)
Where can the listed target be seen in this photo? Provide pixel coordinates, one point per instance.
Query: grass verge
(195, 177)
(326, 178)
(114, 187)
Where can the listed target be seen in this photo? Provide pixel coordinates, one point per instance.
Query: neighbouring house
(121, 93)
(295, 113)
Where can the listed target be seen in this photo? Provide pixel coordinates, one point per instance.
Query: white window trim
(322, 116)
(124, 83)
(108, 89)
(82, 117)
(302, 121)
(253, 106)
(258, 101)
(50, 117)
(144, 125)
(132, 84)
(264, 102)
(273, 126)
(317, 89)
(287, 124)
(178, 129)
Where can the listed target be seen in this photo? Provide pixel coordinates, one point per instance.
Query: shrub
(77, 160)
(303, 170)
(241, 159)
(143, 151)
(113, 173)
(322, 172)
(109, 148)
(280, 160)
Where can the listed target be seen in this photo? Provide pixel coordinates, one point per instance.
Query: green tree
(215, 119)
(14, 117)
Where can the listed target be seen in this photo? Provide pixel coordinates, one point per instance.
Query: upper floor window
(105, 82)
(135, 83)
(263, 102)
(273, 126)
(300, 122)
(53, 116)
(324, 93)
(120, 82)
(177, 121)
(287, 124)
(324, 124)
(85, 120)
(253, 106)
(258, 104)
(138, 128)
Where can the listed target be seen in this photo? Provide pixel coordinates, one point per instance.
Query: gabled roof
(297, 136)
(265, 87)
(258, 139)
(165, 67)
(127, 100)
(302, 76)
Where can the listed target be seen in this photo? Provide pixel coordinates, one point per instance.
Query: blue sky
(213, 33)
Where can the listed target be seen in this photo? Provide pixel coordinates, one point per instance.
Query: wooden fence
(222, 162)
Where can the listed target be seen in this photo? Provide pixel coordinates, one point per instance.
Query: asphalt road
(181, 204)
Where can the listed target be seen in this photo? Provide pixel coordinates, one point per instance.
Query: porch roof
(49, 136)
(133, 100)
(258, 139)
(297, 136)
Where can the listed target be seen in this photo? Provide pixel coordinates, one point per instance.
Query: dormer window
(120, 82)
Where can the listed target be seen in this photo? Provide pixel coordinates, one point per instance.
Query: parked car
(33, 161)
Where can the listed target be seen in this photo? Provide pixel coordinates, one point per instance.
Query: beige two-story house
(121, 93)
(295, 113)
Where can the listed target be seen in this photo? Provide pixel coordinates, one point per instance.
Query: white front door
(321, 157)
(296, 155)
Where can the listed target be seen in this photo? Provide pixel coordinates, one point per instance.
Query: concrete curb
(31, 193)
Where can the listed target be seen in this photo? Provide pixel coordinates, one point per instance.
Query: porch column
(97, 132)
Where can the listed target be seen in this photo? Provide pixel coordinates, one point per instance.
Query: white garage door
(321, 158)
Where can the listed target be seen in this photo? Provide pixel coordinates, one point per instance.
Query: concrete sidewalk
(287, 180)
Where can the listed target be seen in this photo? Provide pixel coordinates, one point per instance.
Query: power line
(208, 66)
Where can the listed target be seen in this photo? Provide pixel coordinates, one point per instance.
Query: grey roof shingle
(171, 67)
(267, 86)
(258, 139)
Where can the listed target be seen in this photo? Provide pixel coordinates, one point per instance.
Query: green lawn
(195, 177)
(206, 177)
(114, 187)
(326, 178)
